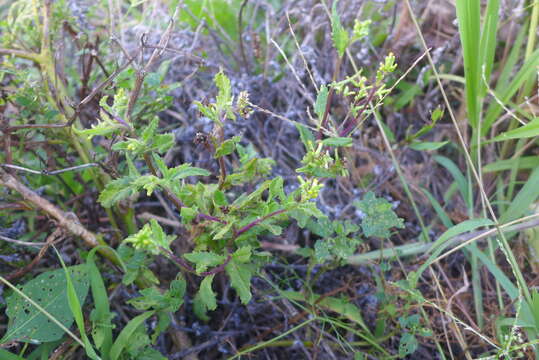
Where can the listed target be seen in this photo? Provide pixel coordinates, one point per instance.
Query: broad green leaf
(240, 279)
(204, 259)
(379, 217)
(338, 141)
(161, 143)
(219, 198)
(407, 344)
(49, 290)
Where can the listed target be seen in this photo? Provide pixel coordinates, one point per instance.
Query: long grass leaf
(487, 47)
(101, 316)
(524, 162)
(462, 183)
(527, 71)
(444, 241)
(124, 337)
(469, 20)
(527, 195)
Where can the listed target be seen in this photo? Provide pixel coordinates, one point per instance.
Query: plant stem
(324, 122)
(258, 221)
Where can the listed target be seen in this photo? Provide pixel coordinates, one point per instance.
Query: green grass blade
(438, 209)
(461, 181)
(124, 337)
(487, 47)
(444, 240)
(6, 355)
(469, 20)
(527, 71)
(76, 310)
(524, 162)
(527, 195)
(506, 69)
(101, 316)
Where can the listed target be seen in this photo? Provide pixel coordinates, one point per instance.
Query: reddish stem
(352, 124)
(210, 218)
(258, 221)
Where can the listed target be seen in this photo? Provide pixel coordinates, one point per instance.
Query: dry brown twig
(67, 221)
(56, 236)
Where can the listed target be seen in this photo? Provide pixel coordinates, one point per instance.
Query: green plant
(224, 213)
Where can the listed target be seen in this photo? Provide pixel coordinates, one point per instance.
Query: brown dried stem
(68, 221)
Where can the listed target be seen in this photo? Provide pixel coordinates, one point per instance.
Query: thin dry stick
(163, 42)
(56, 236)
(70, 223)
(456, 329)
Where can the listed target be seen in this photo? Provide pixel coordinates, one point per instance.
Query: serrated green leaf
(305, 134)
(149, 131)
(207, 296)
(185, 170)
(187, 214)
(242, 255)
(379, 217)
(340, 36)
(104, 127)
(224, 100)
(49, 290)
(150, 238)
(219, 198)
(322, 251)
(321, 102)
(227, 147)
(240, 279)
(276, 189)
(273, 229)
(204, 259)
(162, 143)
(117, 190)
(223, 231)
